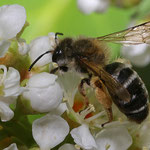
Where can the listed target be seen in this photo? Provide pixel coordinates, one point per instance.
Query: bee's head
(63, 52)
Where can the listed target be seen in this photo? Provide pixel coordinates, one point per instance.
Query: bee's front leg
(103, 97)
(53, 71)
(82, 89)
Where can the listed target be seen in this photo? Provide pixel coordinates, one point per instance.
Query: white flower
(114, 138)
(49, 131)
(83, 137)
(12, 19)
(67, 147)
(139, 55)
(11, 147)
(44, 92)
(89, 6)
(40, 45)
(10, 83)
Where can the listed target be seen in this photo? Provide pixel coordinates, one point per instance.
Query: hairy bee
(115, 82)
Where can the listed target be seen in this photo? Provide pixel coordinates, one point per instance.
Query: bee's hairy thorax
(85, 48)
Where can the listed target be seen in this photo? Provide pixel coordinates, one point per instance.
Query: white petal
(69, 82)
(3, 76)
(116, 138)
(89, 6)
(67, 147)
(38, 47)
(4, 45)
(60, 109)
(6, 113)
(8, 100)
(42, 80)
(12, 19)
(83, 137)
(23, 48)
(12, 77)
(44, 98)
(139, 55)
(49, 131)
(12, 83)
(11, 147)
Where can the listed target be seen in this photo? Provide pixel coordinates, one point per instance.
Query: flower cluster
(49, 106)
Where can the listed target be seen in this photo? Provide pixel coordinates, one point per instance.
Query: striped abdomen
(137, 109)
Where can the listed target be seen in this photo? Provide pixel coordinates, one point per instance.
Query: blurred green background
(46, 16)
(63, 16)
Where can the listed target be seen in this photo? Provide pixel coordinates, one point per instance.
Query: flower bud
(43, 92)
(40, 45)
(12, 19)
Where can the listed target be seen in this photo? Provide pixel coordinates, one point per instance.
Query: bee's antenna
(38, 59)
(57, 33)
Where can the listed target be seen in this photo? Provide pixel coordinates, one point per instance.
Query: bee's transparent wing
(135, 35)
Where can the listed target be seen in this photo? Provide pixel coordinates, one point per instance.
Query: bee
(115, 82)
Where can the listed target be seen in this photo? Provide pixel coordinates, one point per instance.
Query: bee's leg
(109, 114)
(103, 97)
(82, 89)
(53, 71)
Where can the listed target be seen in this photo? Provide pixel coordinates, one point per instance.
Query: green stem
(19, 130)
